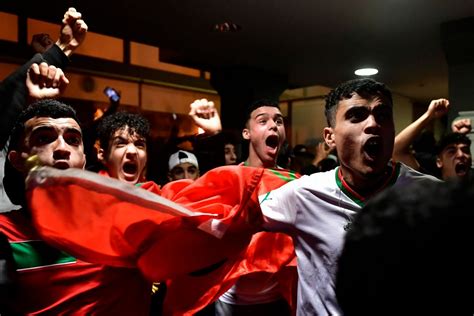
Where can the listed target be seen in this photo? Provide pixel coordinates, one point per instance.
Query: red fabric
(114, 226)
(266, 252)
(72, 288)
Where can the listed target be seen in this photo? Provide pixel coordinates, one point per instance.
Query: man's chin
(128, 179)
(61, 165)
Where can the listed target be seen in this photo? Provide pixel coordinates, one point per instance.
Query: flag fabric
(193, 233)
(266, 252)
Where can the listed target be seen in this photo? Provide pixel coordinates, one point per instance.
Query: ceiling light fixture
(366, 71)
(226, 27)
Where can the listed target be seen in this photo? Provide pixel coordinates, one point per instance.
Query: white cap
(180, 157)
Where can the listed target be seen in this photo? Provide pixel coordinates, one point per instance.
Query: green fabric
(33, 254)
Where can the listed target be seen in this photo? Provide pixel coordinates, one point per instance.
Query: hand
(438, 108)
(73, 31)
(45, 81)
(41, 42)
(462, 126)
(205, 116)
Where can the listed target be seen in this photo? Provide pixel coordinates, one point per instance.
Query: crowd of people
(357, 223)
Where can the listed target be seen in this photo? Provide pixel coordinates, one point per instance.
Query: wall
(308, 119)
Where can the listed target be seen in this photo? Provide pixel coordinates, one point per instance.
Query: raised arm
(13, 90)
(73, 32)
(461, 126)
(45, 81)
(403, 141)
(205, 115)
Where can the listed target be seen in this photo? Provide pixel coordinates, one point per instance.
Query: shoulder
(408, 174)
(320, 181)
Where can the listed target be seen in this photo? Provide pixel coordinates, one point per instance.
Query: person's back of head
(366, 88)
(408, 253)
(425, 142)
(454, 157)
(123, 146)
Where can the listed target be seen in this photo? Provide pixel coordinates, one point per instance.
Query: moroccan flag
(267, 252)
(196, 230)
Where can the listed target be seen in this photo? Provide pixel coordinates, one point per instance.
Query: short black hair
(365, 87)
(258, 104)
(42, 108)
(451, 138)
(407, 252)
(136, 123)
(13, 180)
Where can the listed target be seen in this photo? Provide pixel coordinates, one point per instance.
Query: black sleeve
(7, 274)
(209, 151)
(13, 92)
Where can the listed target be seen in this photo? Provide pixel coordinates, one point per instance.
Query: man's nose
(61, 150)
(371, 124)
(460, 152)
(273, 124)
(131, 150)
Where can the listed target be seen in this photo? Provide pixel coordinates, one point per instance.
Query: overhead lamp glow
(366, 72)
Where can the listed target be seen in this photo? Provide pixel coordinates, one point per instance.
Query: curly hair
(136, 123)
(365, 87)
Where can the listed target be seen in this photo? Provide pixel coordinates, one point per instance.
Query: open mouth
(373, 147)
(462, 168)
(61, 165)
(130, 167)
(272, 141)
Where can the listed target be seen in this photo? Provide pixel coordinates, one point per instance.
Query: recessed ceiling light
(366, 71)
(225, 27)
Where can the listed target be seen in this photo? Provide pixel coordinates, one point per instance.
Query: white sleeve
(279, 207)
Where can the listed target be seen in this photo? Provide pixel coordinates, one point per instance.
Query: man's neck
(367, 186)
(254, 161)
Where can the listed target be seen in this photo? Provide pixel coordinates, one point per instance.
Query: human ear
(17, 160)
(329, 137)
(246, 133)
(101, 155)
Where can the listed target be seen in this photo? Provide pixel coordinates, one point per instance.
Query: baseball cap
(182, 156)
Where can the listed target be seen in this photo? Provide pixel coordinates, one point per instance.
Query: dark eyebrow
(356, 108)
(73, 130)
(119, 138)
(42, 129)
(262, 114)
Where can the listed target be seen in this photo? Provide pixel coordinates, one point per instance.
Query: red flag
(204, 232)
